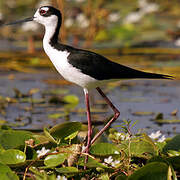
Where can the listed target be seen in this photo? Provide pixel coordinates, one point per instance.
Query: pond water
(137, 100)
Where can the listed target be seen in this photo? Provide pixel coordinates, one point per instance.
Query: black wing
(101, 68)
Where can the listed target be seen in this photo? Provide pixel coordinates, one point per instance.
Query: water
(130, 97)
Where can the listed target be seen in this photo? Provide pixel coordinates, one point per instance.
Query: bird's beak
(20, 21)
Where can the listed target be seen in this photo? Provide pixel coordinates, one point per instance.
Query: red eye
(42, 12)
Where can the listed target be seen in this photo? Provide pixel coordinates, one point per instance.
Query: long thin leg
(89, 120)
(116, 115)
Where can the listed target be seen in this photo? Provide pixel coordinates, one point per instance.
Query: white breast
(70, 73)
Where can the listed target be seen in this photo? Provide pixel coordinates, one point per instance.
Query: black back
(101, 68)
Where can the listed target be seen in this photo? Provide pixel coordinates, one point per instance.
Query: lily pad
(104, 149)
(64, 130)
(55, 160)
(10, 139)
(71, 99)
(167, 121)
(142, 113)
(173, 144)
(12, 156)
(67, 170)
(175, 161)
(142, 148)
(151, 171)
(57, 115)
(92, 163)
(6, 173)
(59, 91)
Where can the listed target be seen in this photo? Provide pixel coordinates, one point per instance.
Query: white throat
(49, 32)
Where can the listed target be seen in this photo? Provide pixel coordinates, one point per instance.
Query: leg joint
(117, 114)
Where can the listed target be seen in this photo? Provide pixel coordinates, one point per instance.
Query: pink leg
(116, 115)
(89, 120)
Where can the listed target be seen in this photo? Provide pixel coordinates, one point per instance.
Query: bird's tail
(147, 75)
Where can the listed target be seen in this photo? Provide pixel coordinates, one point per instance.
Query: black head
(48, 16)
(47, 11)
(45, 15)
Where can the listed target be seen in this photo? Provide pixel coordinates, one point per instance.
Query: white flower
(162, 139)
(133, 17)
(155, 135)
(82, 21)
(108, 160)
(147, 7)
(113, 17)
(42, 152)
(177, 42)
(122, 136)
(114, 163)
(142, 3)
(151, 7)
(68, 22)
(61, 178)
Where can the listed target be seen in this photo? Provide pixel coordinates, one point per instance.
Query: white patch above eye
(45, 8)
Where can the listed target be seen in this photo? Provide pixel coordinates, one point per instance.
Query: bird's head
(45, 15)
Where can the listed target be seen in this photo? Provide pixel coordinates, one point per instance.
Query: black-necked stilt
(84, 68)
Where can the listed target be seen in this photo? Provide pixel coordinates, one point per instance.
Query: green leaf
(6, 173)
(48, 135)
(42, 175)
(55, 160)
(121, 177)
(71, 136)
(92, 163)
(175, 161)
(104, 177)
(167, 121)
(71, 99)
(104, 149)
(173, 153)
(40, 138)
(12, 156)
(142, 148)
(67, 170)
(157, 159)
(57, 115)
(151, 171)
(10, 139)
(59, 91)
(64, 130)
(173, 144)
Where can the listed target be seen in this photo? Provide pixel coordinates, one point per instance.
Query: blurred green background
(104, 23)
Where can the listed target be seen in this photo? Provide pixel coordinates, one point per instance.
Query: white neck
(49, 32)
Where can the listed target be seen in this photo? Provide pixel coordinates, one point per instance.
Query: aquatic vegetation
(57, 153)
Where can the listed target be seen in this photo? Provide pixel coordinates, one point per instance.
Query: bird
(82, 67)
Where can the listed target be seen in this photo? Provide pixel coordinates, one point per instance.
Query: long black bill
(20, 21)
